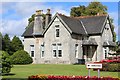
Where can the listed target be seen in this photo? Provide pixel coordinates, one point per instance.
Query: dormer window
(57, 34)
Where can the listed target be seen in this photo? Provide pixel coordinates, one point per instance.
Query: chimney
(48, 18)
(38, 27)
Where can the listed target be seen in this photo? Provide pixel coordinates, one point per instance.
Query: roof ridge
(63, 15)
(89, 16)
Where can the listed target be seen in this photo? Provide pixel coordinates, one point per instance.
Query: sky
(15, 15)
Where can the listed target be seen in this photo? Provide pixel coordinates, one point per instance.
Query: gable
(107, 32)
(55, 19)
(51, 32)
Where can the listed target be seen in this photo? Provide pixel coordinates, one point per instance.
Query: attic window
(57, 33)
(106, 28)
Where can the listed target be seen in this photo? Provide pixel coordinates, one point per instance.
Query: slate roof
(90, 42)
(109, 44)
(74, 24)
(29, 30)
(94, 24)
(84, 26)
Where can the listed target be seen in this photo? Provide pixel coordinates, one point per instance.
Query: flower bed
(39, 77)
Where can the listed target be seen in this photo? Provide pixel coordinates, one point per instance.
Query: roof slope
(74, 24)
(29, 30)
(94, 24)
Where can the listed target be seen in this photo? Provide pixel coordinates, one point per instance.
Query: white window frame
(32, 48)
(57, 28)
(42, 51)
(76, 50)
(54, 47)
(59, 48)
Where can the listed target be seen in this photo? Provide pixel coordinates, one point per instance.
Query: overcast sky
(15, 14)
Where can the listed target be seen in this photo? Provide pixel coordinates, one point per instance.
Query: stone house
(68, 40)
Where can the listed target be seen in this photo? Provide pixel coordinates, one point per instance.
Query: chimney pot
(39, 12)
(48, 11)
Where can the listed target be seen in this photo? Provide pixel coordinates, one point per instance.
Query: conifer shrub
(5, 60)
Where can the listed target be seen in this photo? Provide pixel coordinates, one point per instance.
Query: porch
(89, 50)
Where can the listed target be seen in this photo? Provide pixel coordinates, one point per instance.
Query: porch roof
(90, 42)
(109, 44)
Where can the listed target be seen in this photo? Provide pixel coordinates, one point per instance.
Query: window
(59, 50)
(76, 50)
(105, 49)
(32, 53)
(59, 53)
(57, 30)
(32, 50)
(42, 51)
(54, 53)
(54, 50)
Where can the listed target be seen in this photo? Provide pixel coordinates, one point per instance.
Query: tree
(92, 9)
(31, 19)
(6, 44)
(6, 64)
(21, 57)
(1, 41)
(78, 11)
(96, 7)
(16, 44)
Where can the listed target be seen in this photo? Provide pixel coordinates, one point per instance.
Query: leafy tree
(6, 44)
(16, 44)
(96, 7)
(78, 11)
(6, 64)
(21, 57)
(92, 9)
(31, 18)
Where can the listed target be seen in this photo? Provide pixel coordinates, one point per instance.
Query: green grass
(23, 71)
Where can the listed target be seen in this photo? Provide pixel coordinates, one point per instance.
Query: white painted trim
(84, 27)
(104, 24)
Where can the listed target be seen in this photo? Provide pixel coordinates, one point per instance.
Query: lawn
(21, 72)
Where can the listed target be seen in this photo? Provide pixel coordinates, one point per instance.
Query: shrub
(105, 66)
(6, 64)
(113, 67)
(21, 57)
